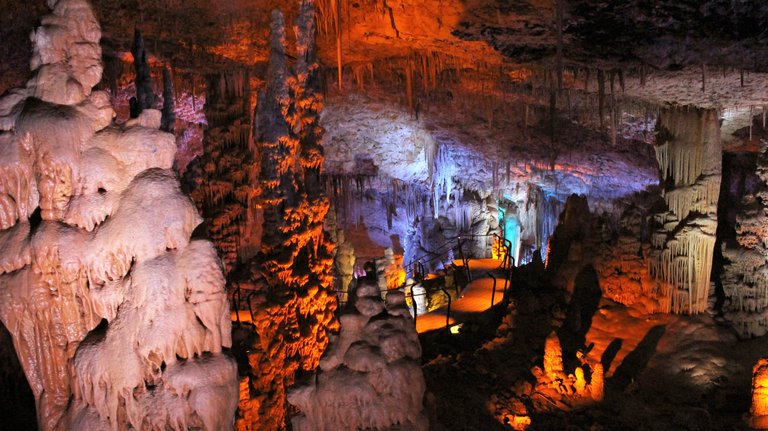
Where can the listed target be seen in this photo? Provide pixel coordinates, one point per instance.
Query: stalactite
(409, 85)
(601, 97)
(221, 179)
(689, 157)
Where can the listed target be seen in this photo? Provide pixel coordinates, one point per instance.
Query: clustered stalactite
(296, 305)
(119, 319)
(223, 180)
(498, 93)
(690, 158)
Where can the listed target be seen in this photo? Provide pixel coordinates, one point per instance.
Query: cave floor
(475, 298)
(663, 372)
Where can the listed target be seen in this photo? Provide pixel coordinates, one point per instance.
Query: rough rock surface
(223, 180)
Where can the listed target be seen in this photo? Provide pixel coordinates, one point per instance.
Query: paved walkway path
(475, 299)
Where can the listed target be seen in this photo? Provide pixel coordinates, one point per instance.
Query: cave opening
(18, 402)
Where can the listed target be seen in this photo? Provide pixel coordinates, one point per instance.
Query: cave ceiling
(707, 53)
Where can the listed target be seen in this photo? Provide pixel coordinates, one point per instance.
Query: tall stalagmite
(759, 410)
(118, 318)
(297, 311)
(145, 96)
(689, 152)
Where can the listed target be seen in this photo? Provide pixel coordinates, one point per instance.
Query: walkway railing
(507, 264)
(402, 288)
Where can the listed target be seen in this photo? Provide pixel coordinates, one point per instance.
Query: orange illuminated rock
(553, 356)
(759, 409)
(293, 322)
(555, 389)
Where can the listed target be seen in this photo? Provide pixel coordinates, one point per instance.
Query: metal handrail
(448, 311)
(493, 291)
(435, 254)
(236, 303)
(464, 261)
(507, 244)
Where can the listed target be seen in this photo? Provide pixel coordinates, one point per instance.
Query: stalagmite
(296, 313)
(168, 120)
(745, 274)
(118, 318)
(145, 97)
(556, 390)
(343, 265)
(553, 355)
(370, 377)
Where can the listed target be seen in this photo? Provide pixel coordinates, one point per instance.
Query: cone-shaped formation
(690, 157)
(117, 317)
(372, 365)
(145, 97)
(296, 260)
(168, 119)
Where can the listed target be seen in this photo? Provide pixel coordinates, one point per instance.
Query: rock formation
(168, 119)
(745, 276)
(344, 265)
(556, 389)
(622, 262)
(296, 302)
(690, 157)
(145, 96)
(759, 409)
(389, 271)
(370, 377)
(223, 179)
(118, 318)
